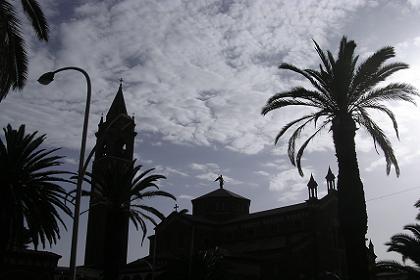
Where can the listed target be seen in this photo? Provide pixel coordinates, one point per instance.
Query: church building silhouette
(220, 237)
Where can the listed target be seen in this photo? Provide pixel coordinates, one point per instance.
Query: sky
(196, 75)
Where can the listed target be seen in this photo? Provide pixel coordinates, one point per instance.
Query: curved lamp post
(45, 79)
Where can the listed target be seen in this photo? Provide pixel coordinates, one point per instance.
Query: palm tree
(121, 190)
(341, 98)
(14, 63)
(30, 196)
(409, 247)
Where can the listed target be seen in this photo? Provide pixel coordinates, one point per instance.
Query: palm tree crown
(13, 63)
(343, 90)
(342, 95)
(29, 195)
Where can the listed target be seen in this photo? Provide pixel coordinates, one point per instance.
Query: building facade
(299, 241)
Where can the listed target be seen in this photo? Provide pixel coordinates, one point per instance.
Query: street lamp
(45, 79)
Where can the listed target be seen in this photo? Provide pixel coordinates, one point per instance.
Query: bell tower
(114, 146)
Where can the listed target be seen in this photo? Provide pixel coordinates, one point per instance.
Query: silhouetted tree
(409, 247)
(29, 192)
(341, 97)
(13, 58)
(122, 191)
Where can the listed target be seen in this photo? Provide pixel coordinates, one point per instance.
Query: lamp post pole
(45, 79)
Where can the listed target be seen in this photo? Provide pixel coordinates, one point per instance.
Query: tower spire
(330, 180)
(312, 188)
(118, 105)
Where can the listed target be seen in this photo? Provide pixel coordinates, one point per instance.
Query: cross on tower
(121, 80)
(176, 207)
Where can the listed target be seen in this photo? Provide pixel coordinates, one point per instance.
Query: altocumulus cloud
(197, 72)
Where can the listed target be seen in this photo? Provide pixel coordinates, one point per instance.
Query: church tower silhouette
(114, 147)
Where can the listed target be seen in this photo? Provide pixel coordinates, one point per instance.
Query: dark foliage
(408, 245)
(13, 57)
(30, 192)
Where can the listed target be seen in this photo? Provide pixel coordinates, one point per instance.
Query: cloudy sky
(196, 75)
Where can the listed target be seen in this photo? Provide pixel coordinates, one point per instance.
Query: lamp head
(46, 78)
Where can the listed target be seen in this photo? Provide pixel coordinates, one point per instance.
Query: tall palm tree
(409, 247)
(341, 97)
(122, 190)
(30, 194)
(13, 58)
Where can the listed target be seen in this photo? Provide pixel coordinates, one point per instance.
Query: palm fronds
(13, 57)
(34, 13)
(13, 62)
(343, 89)
(408, 246)
(123, 188)
(31, 195)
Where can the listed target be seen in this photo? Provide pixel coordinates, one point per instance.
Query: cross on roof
(176, 207)
(121, 80)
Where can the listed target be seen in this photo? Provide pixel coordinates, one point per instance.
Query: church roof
(118, 106)
(220, 193)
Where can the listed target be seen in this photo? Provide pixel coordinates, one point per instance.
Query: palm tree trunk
(352, 206)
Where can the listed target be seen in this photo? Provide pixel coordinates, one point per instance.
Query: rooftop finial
(121, 81)
(221, 181)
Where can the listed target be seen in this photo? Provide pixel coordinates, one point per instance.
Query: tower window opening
(124, 147)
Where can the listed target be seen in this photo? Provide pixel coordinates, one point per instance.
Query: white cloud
(205, 167)
(168, 171)
(414, 3)
(196, 71)
(290, 185)
(276, 164)
(262, 173)
(185, 196)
